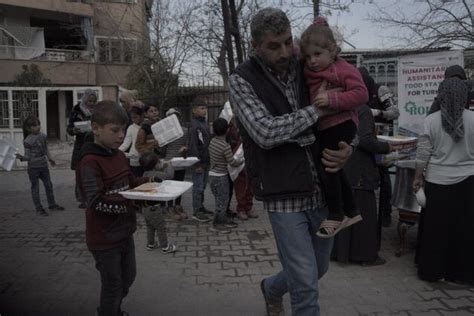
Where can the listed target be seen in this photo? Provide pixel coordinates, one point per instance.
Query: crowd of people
(306, 121)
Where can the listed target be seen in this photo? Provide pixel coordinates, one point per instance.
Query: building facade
(75, 44)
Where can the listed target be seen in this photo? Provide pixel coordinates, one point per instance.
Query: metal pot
(403, 197)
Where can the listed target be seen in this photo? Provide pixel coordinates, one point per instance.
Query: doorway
(52, 115)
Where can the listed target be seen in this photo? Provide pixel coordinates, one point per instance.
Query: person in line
(37, 155)
(199, 137)
(130, 140)
(361, 243)
(345, 93)
(385, 111)
(154, 219)
(275, 120)
(220, 156)
(81, 112)
(445, 154)
(103, 172)
(241, 185)
(177, 148)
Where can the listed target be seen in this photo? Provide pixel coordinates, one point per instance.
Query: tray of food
(183, 162)
(158, 191)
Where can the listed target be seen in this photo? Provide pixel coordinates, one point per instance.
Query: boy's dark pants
(35, 174)
(117, 269)
(337, 186)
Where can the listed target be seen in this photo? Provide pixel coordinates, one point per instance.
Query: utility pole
(236, 31)
(316, 10)
(227, 35)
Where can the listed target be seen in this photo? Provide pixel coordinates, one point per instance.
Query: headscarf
(83, 105)
(452, 97)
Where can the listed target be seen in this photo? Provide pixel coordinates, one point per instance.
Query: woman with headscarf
(81, 112)
(446, 155)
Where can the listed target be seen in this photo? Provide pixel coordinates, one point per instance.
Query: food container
(167, 130)
(166, 191)
(403, 197)
(7, 154)
(180, 162)
(83, 126)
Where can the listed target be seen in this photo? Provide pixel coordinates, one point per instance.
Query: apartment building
(76, 44)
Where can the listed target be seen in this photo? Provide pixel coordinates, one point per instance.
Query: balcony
(69, 7)
(42, 54)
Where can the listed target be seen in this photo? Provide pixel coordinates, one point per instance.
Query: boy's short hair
(220, 126)
(109, 112)
(198, 101)
(148, 161)
(148, 106)
(136, 110)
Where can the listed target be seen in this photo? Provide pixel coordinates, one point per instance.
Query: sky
(358, 30)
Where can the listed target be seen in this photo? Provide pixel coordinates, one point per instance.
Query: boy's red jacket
(110, 218)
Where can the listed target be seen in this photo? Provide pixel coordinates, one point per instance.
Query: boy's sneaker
(219, 228)
(151, 247)
(170, 248)
(56, 208)
(179, 209)
(42, 212)
(206, 211)
(173, 213)
(201, 217)
(229, 223)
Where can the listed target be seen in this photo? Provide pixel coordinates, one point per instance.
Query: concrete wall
(120, 20)
(76, 8)
(111, 74)
(60, 73)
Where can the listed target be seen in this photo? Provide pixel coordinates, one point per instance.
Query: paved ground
(45, 268)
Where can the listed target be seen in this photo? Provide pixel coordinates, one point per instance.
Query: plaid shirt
(269, 131)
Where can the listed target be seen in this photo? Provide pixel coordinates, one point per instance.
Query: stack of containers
(167, 130)
(8, 152)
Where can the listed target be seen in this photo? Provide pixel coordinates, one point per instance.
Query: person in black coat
(361, 242)
(81, 112)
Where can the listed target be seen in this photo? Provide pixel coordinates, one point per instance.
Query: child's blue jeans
(220, 190)
(117, 269)
(35, 174)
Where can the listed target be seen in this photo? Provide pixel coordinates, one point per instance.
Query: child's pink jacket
(339, 74)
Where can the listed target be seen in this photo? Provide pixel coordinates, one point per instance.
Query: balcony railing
(35, 53)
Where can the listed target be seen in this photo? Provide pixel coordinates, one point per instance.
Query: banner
(418, 79)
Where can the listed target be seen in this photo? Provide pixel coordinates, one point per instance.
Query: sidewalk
(47, 270)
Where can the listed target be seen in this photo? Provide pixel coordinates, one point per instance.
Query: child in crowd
(337, 89)
(154, 219)
(221, 155)
(110, 218)
(37, 155)
(146, 142)
(198, 146)
(174, 149)
(136, 115)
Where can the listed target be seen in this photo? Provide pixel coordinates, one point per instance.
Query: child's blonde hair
(320, 34)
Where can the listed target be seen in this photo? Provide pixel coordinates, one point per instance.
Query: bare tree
(432, 23)
(160, 67)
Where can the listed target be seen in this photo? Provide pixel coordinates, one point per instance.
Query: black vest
(284, 171)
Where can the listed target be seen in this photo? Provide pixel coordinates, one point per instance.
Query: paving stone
(457, 303)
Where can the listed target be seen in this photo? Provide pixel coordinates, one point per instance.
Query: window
(381, 69)
(115, 50)
(25, 104)
(391, 68)
(372, 69)
(4, 114)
